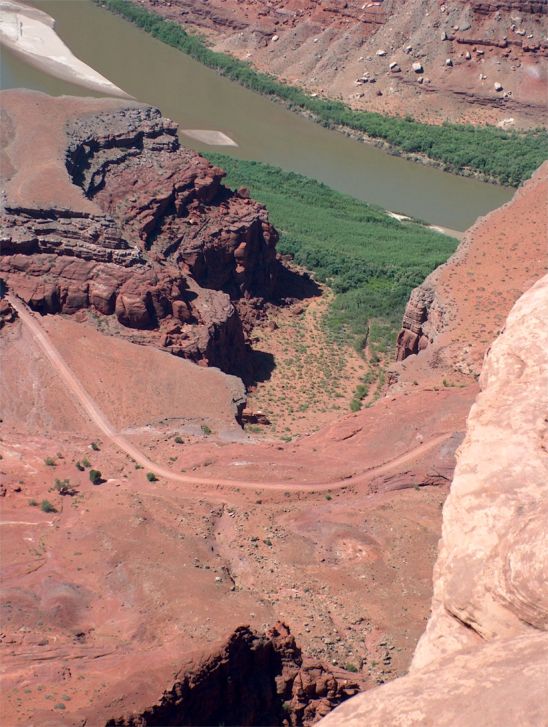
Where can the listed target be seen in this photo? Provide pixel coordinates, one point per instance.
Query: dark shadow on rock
(292, 285)
(262, 364)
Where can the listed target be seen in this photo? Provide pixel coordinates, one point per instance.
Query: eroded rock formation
(119, 220)
(482, 659)
(250, 680)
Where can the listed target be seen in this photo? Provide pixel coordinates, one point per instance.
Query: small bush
(33, 503)
(329, 497)
(151, 477)
(178, 440)
(86, 462)
(206, 430)
(64, 487)
(355, 405)
(95, 477)
(95, 446)
(80, 466)
(50, 462)
(46, 506)
(351, 667)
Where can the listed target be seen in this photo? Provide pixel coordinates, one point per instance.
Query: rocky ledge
(482, 658)
(105, 212)
(250, 679)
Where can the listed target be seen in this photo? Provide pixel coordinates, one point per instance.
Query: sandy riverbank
(31, 33)
(444, 230)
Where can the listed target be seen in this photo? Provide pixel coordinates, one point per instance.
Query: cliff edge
(482, 659)
(105, 215)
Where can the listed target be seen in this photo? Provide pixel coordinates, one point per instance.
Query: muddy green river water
(198, 98)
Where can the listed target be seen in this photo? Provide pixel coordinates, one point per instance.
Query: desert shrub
(46, 506)
(50, 462)
(95, 446)
(95, 477)
(178, 440)
(206, 430)
(151, 477)
(64, 487)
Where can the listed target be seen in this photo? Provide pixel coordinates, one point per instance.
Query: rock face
(482, 659)
(250, 680)
(122, 221)
(461, 306)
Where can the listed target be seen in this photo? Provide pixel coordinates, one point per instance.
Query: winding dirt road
(94, 413)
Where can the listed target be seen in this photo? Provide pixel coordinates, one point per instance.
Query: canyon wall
(105, 213)
(251, 679)
(363, 53)
(482, 659)
(452, 317)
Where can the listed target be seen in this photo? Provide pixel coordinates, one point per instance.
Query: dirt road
(94, 413)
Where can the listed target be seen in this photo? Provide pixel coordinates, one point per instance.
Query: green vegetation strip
(507, 157)
(369, 259)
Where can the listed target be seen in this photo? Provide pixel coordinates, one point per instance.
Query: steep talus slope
(453, 316)
(105, 212)
(482, 659)
(331, 47)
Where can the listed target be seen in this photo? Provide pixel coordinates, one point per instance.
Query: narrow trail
(97, 417)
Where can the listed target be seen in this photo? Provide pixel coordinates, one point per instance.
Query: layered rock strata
(117, 219)
(482, 659)
(251, 679)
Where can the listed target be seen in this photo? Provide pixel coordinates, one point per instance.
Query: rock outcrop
(482, 659)
(118, 219)
(453, 315)
(250, 680)
(7, 313)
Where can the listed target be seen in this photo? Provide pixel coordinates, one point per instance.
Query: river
(198, 98)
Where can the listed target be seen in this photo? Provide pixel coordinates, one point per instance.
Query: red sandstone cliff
(249, 680)
(105, 212)
(452, 317)
(482, 659)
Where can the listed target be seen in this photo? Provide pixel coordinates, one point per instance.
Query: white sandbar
(31, 33)
(209, 136)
